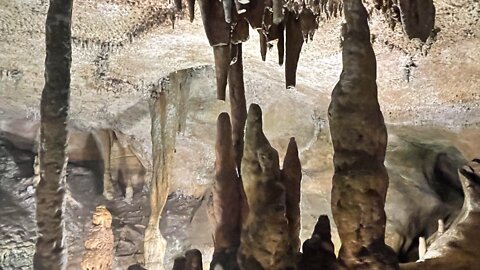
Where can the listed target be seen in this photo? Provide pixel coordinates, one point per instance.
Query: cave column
(359, 139)
(50, 252)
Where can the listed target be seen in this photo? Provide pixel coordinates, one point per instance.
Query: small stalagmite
(319, 251)
(99, 244)
(359, 139)
(191, 261)
(264, 238)
(292, 177)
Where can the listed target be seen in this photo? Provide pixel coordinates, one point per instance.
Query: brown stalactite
(308, 23)
(294, 43)
(50, 252)
(277, 9)
(359, 138)
(254, 13)
(292, 177)
(191, 9)
(216, 29)
(319, 251)
(264, 239)
(221, 54)
(178, 4)
(263, 45)
(418, 18)
(281, 43)
(226, 194)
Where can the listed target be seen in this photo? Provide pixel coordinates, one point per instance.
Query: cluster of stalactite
(288, 23)
(417, 17)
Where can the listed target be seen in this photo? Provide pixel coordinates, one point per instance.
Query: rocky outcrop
(99, 244)
(265, 238)
(359, 140)
(50, 250)
(318, 251)
(452, 249)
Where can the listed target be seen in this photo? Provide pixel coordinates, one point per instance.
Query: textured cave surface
(428, 92)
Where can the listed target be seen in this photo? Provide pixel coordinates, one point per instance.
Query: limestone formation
(293, 47)
(168, 113)
(292, 177)
(264, 238)
(453, 248)
(359, 140)
(191, 261)
(99, 245)
(50, 250)
(226, 194)
(318, 251)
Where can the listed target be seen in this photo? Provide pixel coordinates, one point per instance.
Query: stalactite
(318, 251)
(167, 110)
(292, 177)
(50, 252)
(263, 45)
(191, 9)
(222, 64)
(418, 18)
(264, 239)
(294, 43)
(359, 139)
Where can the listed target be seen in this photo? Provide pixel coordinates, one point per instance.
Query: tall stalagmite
(226, 199)
(264, 239)
(359, 139)
(167, 110)
(292, 177)
(50, 253)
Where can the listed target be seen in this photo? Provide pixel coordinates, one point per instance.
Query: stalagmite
(167, 110)
(318, 251)
(226, 197)
(264, 239)
(99, 244)
(50, 251)
(455, 249)
(359, 138)
(294, 43)
(193, 260)
(238, 105)
(292, 177)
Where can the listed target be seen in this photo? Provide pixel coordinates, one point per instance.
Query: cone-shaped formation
(50, 252)
(453, 248)
(292, 177)
(318, 251)
(191, 261)
(264, 239)
(294, 43)
(227, 201)
(99, 244)
(359, 139)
